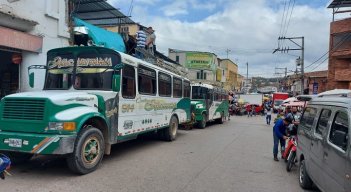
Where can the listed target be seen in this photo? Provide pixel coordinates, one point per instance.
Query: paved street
(235, 156)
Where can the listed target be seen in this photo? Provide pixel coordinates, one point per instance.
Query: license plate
(15, 142)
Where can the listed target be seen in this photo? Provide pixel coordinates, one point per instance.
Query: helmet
(288, 118)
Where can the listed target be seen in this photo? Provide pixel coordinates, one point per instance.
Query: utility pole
(285, 72)
(303, 65)
(228, 51)
(247, 70)
(247, 75)
(300, 48)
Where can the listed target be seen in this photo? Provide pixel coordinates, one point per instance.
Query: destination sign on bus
(59, 62)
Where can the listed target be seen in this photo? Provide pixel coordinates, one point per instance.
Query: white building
(28, 30)
(203, 66)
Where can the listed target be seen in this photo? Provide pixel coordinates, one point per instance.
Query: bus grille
(24, 109)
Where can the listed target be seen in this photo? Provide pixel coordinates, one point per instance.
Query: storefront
(9, 72)
(13, 44)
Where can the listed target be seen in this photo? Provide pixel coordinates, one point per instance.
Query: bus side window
(186, 87)
(128, 82)
(164, 85)
(177, 87)
(146, 81)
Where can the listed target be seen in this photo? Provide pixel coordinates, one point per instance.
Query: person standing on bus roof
(151, 39)
(141, 42)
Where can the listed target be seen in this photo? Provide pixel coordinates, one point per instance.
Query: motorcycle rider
(295, 116)
(279, 135)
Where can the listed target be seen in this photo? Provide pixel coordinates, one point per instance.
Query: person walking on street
(279, 135)
(269, 112)
(253, 110)
(248, 110)
(141, 42)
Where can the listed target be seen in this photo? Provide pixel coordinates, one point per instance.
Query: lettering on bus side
(111, 112)
(157, 105)
(127, 108)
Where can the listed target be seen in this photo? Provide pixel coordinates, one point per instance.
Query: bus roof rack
(336, 93)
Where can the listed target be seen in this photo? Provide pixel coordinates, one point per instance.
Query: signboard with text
(315, 89)
(199, 61)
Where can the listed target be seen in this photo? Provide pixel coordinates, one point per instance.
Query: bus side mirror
(31, 73)
(31, 80)
(116, 83)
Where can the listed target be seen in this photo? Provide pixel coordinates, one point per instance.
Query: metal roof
(339, 3)
(100, 13)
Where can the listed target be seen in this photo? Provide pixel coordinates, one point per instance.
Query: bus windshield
(87, 70)
(59, 71)
(94, 72)
(199, 92)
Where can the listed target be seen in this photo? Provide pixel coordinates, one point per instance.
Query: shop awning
(100, 13)
(102, 37)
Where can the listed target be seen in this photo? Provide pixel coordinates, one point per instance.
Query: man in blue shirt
(279, 135)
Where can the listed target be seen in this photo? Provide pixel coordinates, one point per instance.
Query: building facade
(28, 30)
(339, 75)
(231, 69)
(202, 66)
(240, 81)
(316, 81)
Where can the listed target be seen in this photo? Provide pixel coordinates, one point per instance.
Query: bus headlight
(62, 126)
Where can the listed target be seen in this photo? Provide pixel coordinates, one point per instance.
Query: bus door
(211, 108)
(148, 113)
(127, 103)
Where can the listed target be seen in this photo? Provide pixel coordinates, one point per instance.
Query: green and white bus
(209, 103)
(93, 97)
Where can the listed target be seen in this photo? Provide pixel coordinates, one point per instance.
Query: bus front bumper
(45, 144)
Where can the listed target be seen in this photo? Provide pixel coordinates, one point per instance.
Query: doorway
(9, 73)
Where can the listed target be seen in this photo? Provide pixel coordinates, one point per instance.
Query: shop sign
(19, 40)
(315, 89)
(199, 61)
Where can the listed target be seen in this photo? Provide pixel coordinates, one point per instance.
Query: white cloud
(175, 8)
(249, 29)
(209, 6)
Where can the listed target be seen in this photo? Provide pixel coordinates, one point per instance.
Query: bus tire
(88, 151)
(170, 133)
(202, 123)
(221, 119)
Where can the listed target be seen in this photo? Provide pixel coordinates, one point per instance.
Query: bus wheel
(170, 133)
(221, 120)
(88, 151)
(202, 123)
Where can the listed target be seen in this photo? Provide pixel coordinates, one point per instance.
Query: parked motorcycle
(231, 109)
(290, 153)
(5, 164)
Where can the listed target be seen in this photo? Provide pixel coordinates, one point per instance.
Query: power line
(130, 8)
(335, 47)
(320, 64)
(287, 27)
(281, 25)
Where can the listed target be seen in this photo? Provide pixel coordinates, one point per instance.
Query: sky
(249, 29)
